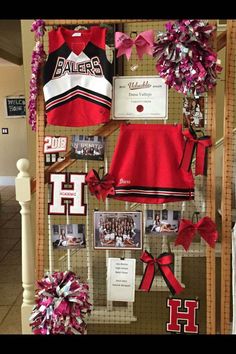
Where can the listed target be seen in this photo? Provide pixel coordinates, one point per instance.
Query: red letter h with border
(176, 315)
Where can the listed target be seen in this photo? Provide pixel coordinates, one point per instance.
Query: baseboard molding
(7, 180)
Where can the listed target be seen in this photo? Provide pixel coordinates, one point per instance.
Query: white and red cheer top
(77, 78)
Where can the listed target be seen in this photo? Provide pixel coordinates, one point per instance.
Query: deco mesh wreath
(62, 304)
(38, 58)
(184, 58)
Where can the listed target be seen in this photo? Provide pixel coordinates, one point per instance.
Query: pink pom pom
(62, 305)
(184, 58)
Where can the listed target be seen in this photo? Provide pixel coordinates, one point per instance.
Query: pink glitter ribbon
(143, 43)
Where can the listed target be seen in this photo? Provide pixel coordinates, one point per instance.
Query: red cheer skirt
(145, 164)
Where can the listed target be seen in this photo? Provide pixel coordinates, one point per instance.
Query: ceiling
(10, 42)
(4, 62)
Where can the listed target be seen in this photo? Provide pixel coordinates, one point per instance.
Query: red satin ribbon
(205, 227)
(101, 188)
(201, 144)
(163, 262)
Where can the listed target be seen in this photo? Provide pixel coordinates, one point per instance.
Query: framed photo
(193, 112)
(50, 159)
(139, 97)
(118, 230)
(68, 236)
(87, 147)
(161, 221)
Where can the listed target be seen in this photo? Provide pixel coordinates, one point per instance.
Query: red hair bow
(163, 262)
(187, 230)
(101, 188)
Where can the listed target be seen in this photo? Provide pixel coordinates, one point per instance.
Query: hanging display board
(143, 97)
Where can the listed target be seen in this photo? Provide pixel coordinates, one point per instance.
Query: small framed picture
(68, 236)
(118, 230)
(50, 159)
(85, 147)
(15, 107)
(161, 221)
(193, 112)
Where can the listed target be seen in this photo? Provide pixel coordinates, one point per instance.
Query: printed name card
(121, 279)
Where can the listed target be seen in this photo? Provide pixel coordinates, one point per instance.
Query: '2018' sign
(54, 144)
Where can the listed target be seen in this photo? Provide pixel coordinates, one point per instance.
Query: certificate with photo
(139, 97)
(86, 147)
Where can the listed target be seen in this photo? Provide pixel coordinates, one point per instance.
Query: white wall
(219, 156)
(13, 146)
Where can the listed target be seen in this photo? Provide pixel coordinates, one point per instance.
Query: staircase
(219, 170)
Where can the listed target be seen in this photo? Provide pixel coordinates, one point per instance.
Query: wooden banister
(23, 196)
(221, 41)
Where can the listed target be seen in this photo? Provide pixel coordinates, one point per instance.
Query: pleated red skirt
(145, 164)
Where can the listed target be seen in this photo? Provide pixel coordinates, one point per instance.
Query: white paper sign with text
(121, 279)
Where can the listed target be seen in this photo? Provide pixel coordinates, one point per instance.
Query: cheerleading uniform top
(77, 78)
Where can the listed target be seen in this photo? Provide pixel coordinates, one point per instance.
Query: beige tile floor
(10, 262)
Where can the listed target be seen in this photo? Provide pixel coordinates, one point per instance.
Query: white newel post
(23, 196)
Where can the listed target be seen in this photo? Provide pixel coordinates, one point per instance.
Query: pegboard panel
(210, 203)
(149, 313)
(228, 178)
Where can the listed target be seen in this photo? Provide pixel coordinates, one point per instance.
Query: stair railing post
(23, 196)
